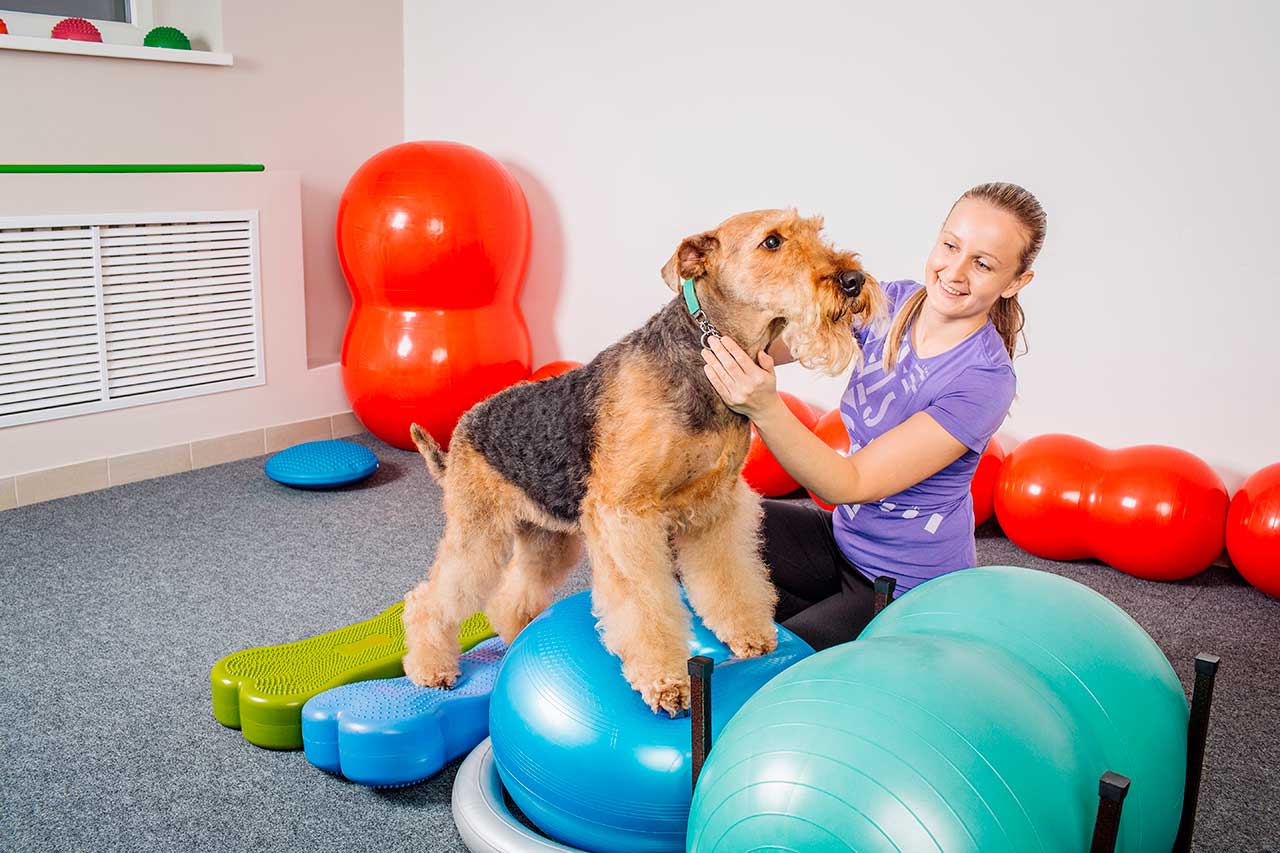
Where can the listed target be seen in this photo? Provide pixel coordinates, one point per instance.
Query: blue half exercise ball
(580, 752)
(321, 464)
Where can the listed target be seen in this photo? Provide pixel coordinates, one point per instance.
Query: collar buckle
(699, 316)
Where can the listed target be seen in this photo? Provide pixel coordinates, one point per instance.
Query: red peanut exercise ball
(831, 429)
(554, 368)
(433, 238)
(761, 471)
(1253, 530)
(983, 485)
(1153, 512)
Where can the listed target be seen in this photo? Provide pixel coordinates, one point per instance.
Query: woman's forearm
(808, 459)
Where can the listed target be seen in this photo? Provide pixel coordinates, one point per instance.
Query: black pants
(821, 596)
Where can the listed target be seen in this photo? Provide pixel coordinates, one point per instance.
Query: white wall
(1148, 131)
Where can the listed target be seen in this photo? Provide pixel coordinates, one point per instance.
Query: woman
(933, 386)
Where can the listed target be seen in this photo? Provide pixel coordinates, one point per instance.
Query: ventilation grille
(102, 312)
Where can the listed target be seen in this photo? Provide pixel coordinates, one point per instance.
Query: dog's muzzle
(851, 282)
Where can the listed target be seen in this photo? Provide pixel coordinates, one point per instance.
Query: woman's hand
(748, 388)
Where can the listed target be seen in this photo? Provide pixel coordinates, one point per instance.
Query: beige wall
(316, 88)
(293, 392)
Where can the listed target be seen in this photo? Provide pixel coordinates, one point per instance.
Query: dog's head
(775, 266)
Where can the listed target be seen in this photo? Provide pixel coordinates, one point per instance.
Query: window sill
(118, 51)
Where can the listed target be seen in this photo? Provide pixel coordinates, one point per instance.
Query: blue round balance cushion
(580, 752)
(321, 464)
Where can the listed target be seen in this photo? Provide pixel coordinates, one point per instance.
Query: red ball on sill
(76, 29)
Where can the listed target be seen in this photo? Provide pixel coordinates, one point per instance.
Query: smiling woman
(993, 230)
(931, 390)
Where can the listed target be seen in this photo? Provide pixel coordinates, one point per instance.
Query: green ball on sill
(169, 37)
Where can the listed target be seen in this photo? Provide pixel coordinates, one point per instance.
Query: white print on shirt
(911, 382)
(864, 393)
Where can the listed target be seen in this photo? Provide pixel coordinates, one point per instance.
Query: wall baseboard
(51, 483)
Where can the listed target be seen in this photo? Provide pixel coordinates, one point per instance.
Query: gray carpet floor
(115, 605)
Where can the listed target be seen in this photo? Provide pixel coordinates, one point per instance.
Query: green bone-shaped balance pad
(261, 691)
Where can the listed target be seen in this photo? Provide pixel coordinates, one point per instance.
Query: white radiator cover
(103, 311)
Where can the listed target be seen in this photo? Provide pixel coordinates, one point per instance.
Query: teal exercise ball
(974, 714)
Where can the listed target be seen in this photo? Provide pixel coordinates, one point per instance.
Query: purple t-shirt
(926, 530)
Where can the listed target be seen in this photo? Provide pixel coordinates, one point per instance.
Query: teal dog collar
(695, 311)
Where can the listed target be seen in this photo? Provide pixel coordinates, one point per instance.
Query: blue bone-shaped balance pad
(391, 732)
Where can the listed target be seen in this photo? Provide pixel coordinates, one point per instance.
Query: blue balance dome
(580, 752)
(321, 464)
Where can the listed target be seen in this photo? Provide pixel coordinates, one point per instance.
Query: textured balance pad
(261, 691)
(321, 464)
(391, 732)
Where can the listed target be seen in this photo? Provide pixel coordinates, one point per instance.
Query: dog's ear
(691, 260)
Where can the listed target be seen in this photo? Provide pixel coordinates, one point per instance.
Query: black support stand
(700, 668)
(884, 592)
(1197, 734)
(1112, 788)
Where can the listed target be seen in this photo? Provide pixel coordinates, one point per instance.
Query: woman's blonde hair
(1006, 315)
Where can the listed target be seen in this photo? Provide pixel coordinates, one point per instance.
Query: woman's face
(975, 260)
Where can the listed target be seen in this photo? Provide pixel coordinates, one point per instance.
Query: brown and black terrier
(636, 453)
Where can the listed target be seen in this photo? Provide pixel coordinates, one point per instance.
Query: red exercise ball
(761, 471)
(433, 238)
(831, 429)
(554, 368)
(1153, 512)
(1253, 530)
(983, 485)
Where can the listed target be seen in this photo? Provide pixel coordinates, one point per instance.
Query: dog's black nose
(851, 282)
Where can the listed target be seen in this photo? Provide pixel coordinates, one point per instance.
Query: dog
(636, 454)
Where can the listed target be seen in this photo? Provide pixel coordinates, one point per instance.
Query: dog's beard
(820, 344)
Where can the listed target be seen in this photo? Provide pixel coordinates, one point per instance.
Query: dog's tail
(431, 452)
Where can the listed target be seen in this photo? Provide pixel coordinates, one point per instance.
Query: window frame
(141, 16)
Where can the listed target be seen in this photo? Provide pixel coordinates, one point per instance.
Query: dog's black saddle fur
(541, 435)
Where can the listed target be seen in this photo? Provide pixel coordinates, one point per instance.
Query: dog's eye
(773, 242)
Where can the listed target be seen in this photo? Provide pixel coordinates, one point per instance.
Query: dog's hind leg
(540, 560)
(637, 600)
(726, 579)
(470, 556)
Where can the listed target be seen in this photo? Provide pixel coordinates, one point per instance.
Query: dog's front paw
(425, 671)
(754, 644)
(668, 693)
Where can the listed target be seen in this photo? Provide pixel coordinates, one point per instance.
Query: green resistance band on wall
(80, 168)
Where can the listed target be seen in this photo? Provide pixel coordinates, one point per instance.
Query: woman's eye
(773, 242)
(951, 246)
(983, 267)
